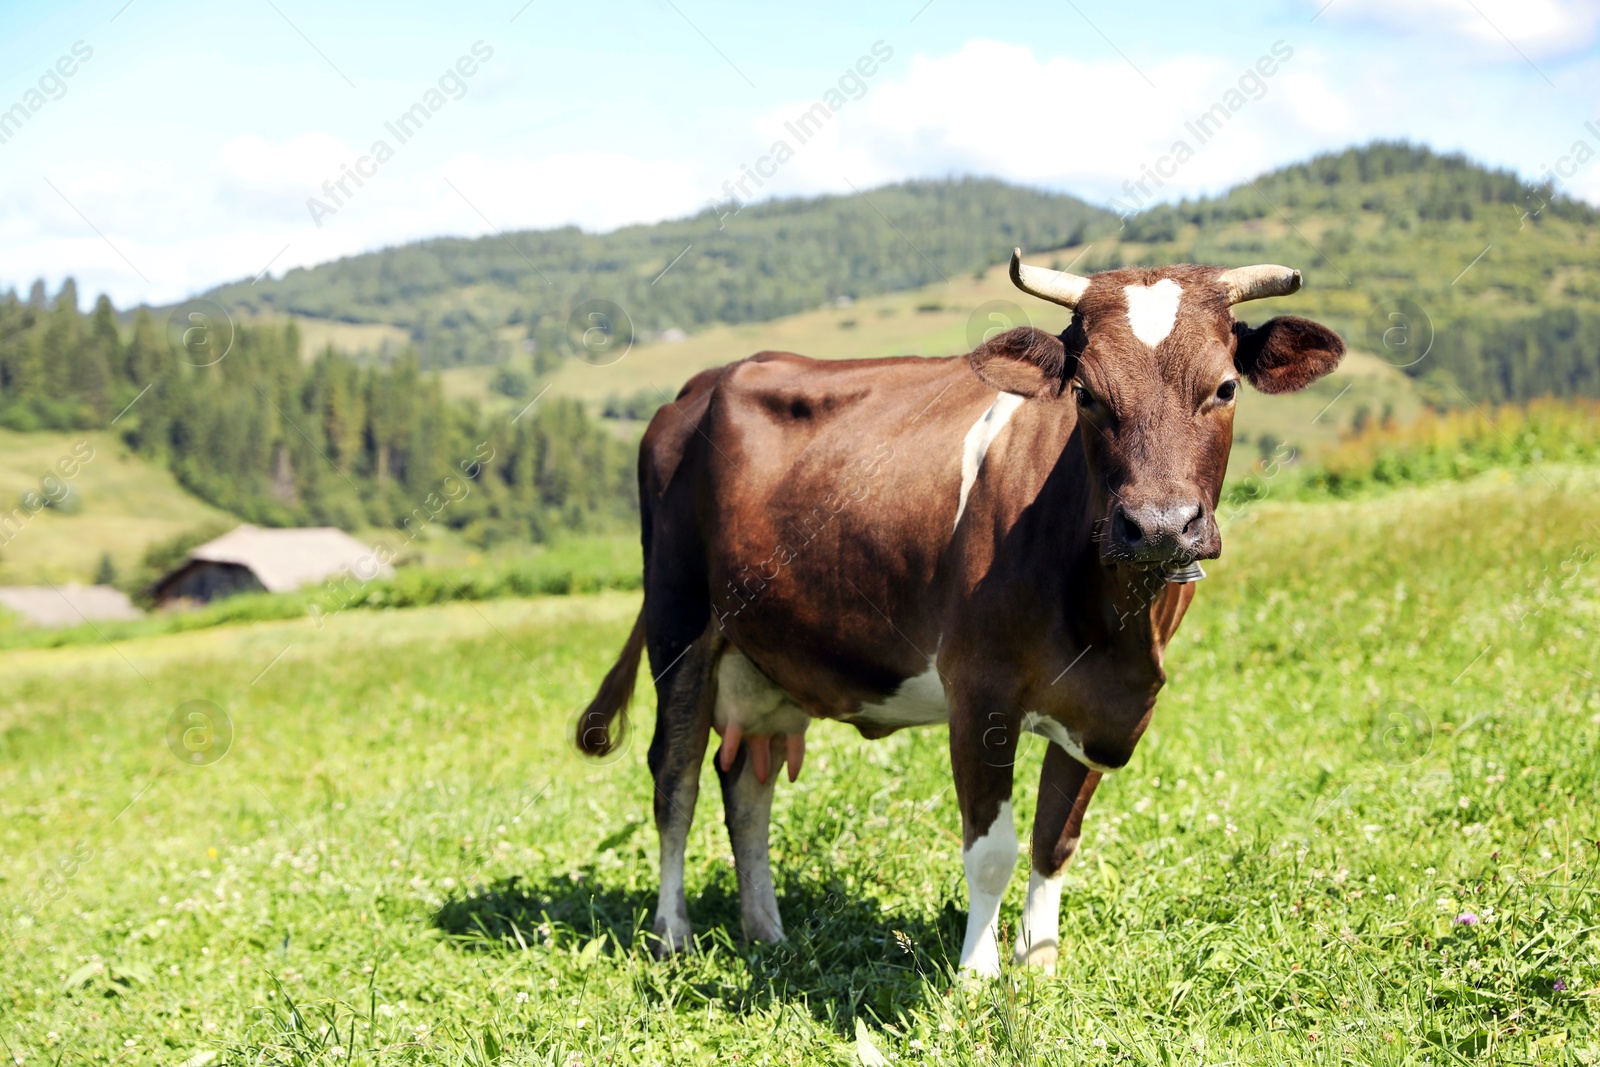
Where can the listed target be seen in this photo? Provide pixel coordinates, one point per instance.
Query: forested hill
(275, 439)
(1472, 281)
(1499, 276)
(763, 262)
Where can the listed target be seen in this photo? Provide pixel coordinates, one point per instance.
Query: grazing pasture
(1362, 828)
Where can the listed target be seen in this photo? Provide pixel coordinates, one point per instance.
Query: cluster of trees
(1403, 182)
(1498, 276)
(759, 263)
(280, 440)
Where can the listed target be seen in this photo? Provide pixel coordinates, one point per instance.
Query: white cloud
(1089, 127)
(594, 189)
(1539, 27)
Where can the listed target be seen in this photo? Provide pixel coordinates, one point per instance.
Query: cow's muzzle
(1161, 534)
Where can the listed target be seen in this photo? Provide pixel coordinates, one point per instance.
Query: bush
(1441, 446)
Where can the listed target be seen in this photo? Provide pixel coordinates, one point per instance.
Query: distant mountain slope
(1472, 281)
(1467, 278)
(768, 260)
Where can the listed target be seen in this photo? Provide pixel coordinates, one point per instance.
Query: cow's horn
(1056, 286)
(1261, 280)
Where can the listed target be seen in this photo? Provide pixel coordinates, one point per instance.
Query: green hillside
(115, 504)
(1469, 279)
(454, 296)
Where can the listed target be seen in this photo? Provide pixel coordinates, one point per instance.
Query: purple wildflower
(1466, 918)
(1559, 986)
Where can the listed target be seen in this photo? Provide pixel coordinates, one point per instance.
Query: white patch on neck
(979, 438)
(1152, 309)
(1051, 730)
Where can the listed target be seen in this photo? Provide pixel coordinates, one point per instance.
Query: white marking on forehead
(1153, 309)
(979, 438)
(1051, 730)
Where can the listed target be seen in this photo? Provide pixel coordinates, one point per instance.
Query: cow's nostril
(1189, 526)
(1129, 531)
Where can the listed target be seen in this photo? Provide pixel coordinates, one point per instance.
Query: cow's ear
(1024, 361)
(1286, 353)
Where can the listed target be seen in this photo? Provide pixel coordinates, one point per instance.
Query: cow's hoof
(672, 939)
(1041, 956)
(983, 967)
(973, 976)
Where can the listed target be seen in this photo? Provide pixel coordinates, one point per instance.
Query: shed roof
(283, 560)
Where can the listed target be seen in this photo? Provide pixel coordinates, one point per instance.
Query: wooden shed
(252, 559)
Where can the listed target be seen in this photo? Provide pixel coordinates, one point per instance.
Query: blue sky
(184, 150)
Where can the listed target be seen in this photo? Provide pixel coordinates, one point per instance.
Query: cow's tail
(594, 725)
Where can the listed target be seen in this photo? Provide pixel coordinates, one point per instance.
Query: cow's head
(1151, 363)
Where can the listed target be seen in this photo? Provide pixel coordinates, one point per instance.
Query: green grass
(1382, 715)
(120, 504)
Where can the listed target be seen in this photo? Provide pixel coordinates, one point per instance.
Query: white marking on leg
(989, 863)
(749, 819)
(1051, 730)
(1040, 937)
(1153, 309)
(672, 906)
(978, 440)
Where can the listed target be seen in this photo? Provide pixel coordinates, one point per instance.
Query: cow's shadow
(845, 955)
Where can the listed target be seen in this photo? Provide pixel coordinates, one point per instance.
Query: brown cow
(1004, 541)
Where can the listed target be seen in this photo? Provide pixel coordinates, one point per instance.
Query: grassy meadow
(1362, 829)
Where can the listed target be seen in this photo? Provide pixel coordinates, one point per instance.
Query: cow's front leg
(1065, 787)
(983, 747)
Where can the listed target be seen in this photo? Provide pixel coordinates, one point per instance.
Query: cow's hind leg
(1065, 788)
(683, 724)
(747, 806)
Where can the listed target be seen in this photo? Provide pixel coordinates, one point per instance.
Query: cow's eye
(1226, 390)
(1084, 398)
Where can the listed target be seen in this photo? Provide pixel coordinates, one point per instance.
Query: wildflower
(1466, 918)
(1559, 986)
(522, 998)
(1099, 1042)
